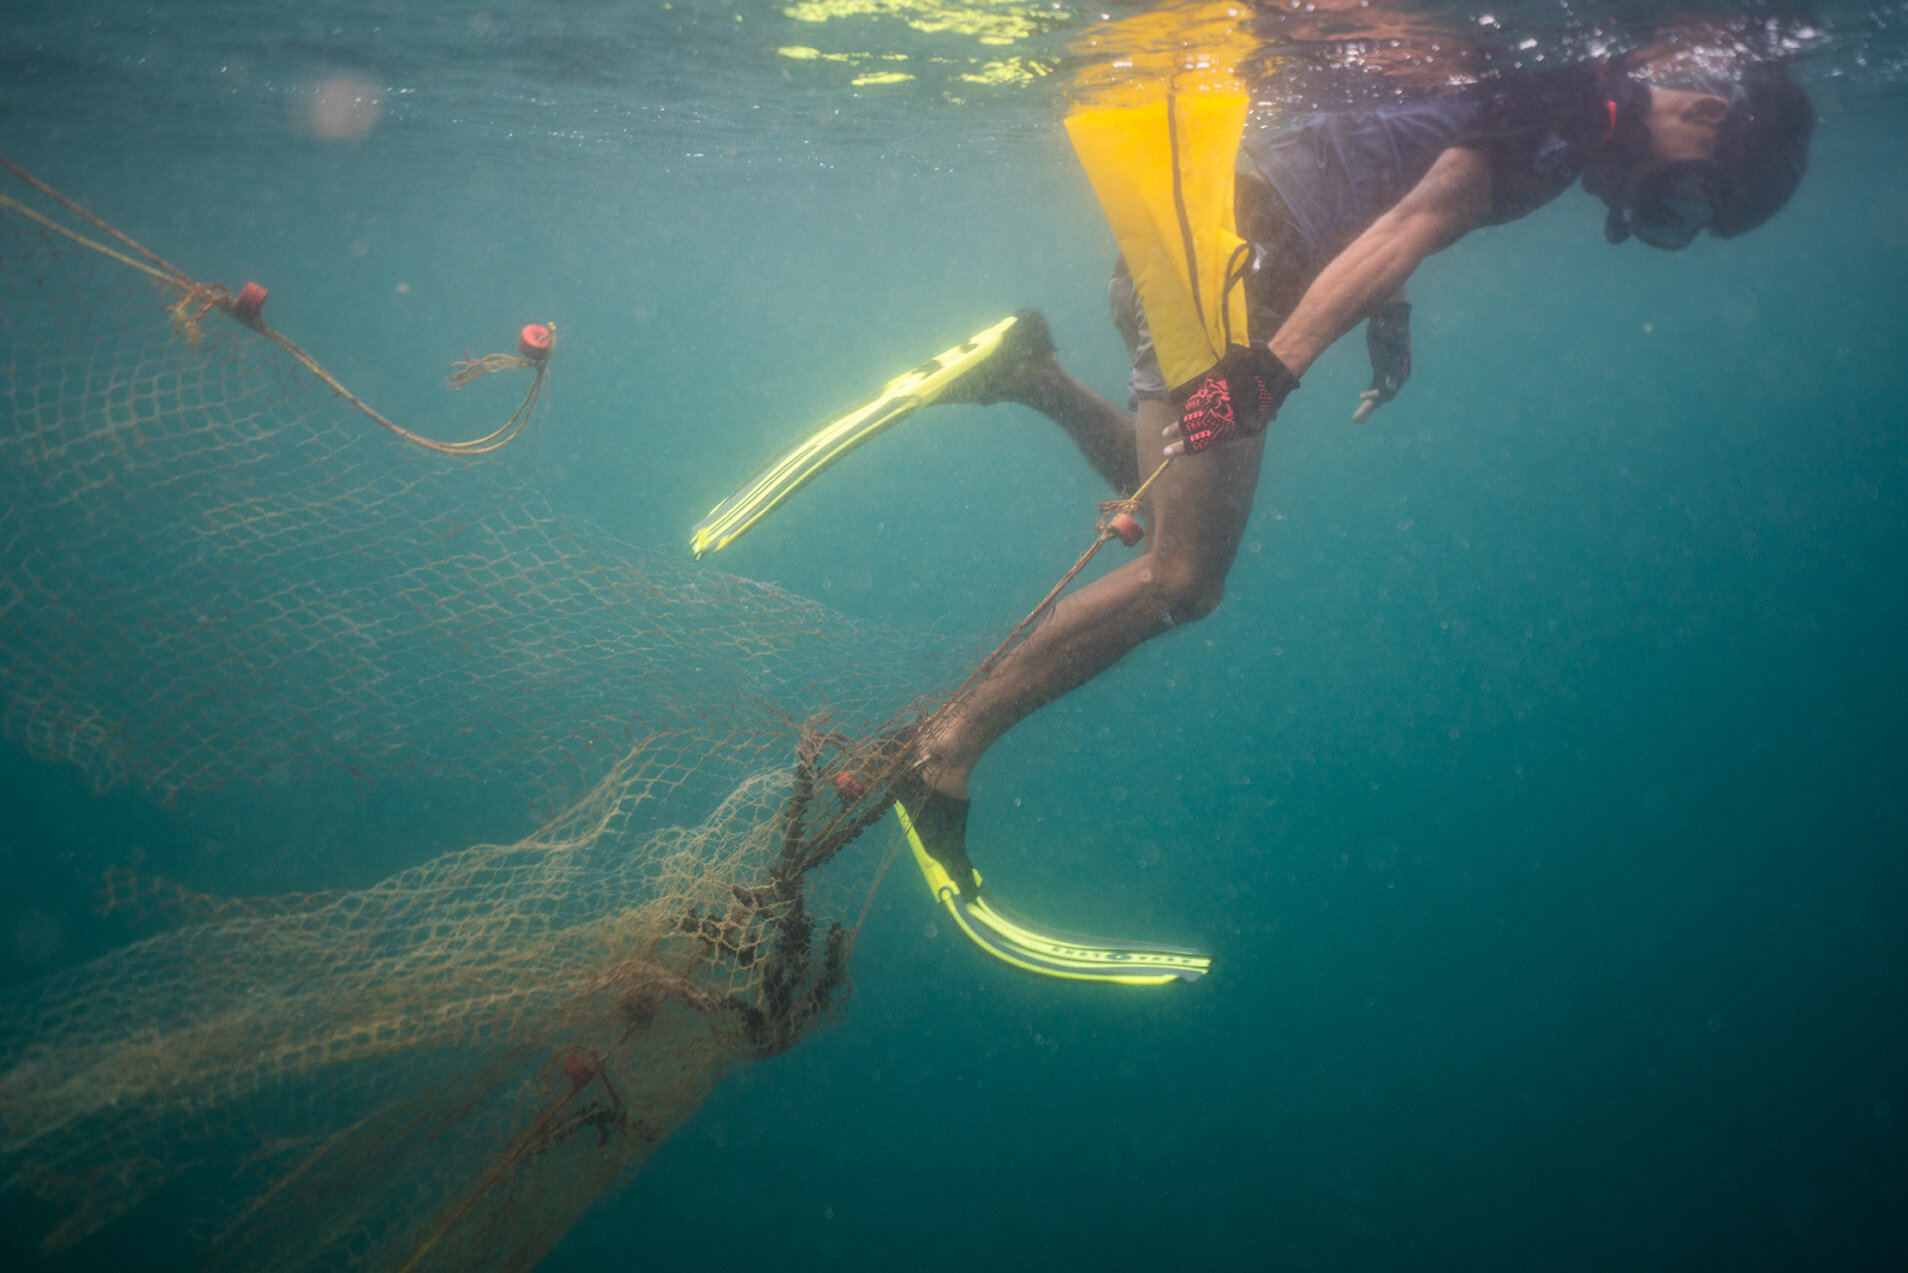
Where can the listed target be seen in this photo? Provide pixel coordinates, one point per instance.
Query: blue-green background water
(1539, 785)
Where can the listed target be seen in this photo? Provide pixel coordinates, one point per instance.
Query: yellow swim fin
(936, 828)
(951, 375)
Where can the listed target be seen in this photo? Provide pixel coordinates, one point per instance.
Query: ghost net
(217, 567)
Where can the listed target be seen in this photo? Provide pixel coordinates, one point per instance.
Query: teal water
(1538, 786)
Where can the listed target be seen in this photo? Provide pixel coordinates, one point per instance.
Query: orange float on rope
(250, 302)
(1127, 527)
(535, 342)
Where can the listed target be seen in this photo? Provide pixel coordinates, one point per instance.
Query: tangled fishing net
(215, 567)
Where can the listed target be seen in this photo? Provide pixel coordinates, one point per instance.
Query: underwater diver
(1691, 132)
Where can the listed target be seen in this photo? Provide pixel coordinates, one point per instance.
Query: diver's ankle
(950, 784)
(948, 779)
(1041, 384)
(953, 789)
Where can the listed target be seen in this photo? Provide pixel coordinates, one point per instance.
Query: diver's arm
(1450, 200)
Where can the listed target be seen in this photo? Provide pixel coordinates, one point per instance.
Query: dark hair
(1764, 148)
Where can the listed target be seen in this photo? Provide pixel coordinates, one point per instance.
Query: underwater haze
(1538, 787)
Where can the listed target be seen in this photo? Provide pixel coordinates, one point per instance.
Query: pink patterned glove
(1237, 399)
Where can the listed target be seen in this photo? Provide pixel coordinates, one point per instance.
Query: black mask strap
(1616, 226)
(1626, 101)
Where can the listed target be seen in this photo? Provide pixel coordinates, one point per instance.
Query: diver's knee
(1197, 601)
(1187, 596)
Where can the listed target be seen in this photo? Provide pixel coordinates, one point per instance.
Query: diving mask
(1670, 205)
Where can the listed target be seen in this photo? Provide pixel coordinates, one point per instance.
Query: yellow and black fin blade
(1033, 947)
(801, 463)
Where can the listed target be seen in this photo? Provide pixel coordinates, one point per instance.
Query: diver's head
(1693, 144)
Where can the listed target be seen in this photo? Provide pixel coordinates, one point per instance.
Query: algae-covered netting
(213, 568)
(445, 1070)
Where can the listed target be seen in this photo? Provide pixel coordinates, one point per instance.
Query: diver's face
(1669, 191)
(1683, 124)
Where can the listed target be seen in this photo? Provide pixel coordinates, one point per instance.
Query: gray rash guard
(1339, 171)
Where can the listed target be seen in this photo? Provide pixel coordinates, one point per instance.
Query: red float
(535, 342)
(249, 304)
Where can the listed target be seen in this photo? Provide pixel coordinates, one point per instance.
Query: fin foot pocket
(990, 380)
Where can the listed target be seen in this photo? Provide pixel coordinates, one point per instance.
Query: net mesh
(213, 569)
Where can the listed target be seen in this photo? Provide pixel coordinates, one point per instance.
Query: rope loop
(467, 369)
(196, 300)
(1111, 508)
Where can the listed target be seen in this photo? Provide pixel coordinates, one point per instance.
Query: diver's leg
(1034, 378)
(1102, 431)
(1196, 514)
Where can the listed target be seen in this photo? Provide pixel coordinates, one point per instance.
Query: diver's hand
(1236, 399)
(1388, 340)
(1175, 441)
